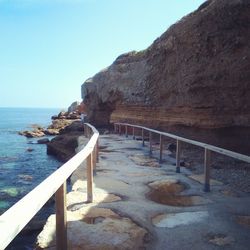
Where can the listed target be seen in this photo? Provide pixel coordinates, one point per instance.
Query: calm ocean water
(21, 170)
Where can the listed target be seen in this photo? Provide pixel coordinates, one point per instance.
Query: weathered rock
(175, 81)
(100, 229)
(177, 219)
(73, 107)
(63, 146)
(73, 116)
(52, 131)
(169, 192)
(59, 124)
(145, 161)
(73, 113)
(43, 141)
(32, 134)
(75, 126)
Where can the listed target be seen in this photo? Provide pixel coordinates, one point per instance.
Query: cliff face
(196, 74)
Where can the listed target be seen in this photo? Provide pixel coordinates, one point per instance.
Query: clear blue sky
(48, 48)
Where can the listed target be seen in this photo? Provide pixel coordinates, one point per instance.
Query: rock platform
(128, 212)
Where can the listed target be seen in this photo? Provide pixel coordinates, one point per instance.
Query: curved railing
(207, 147)
(15, 218)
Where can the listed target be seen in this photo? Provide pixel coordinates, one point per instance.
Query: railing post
(120, 129)
(150, 142)
(94, 158)
(88, 132)
(61, 218)
(142, 135)
(133, 133)
(161, 147)
(85, 130)
(207, 163)
(97, 150)
(90, 178)
(178, 155)
(126, 130)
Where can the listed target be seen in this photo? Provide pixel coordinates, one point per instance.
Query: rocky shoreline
(63, 147)
(66, 127)
(59, 122)
(127, 181)
(61, 139)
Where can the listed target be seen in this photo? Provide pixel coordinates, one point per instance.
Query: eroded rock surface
(95, 228)
(169, 192)
(179, 219)
(195, 74)
(122, 216)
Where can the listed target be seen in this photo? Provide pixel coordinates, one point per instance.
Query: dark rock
(34, 225)
(75, 126)
(25, 177)
(172, 147)
(51, 131)
(54, 117)
(30, 149)
(63, 146)
(43, 141)
(183, 164)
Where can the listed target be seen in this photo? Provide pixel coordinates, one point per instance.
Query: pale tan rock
(179, 219)
(110, 232)
(144, 160)
(98, 197)
(168, 192)
(167, 185)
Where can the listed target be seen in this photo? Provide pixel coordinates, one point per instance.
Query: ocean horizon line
(29, 107)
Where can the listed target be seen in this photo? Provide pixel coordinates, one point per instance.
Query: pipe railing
(17, 217)
(179, 140)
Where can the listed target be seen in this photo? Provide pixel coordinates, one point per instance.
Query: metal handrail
(207, 147)
(17, 217)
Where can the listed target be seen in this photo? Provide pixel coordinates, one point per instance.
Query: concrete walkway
(141, 204)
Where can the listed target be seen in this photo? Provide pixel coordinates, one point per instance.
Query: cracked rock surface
(123, 216)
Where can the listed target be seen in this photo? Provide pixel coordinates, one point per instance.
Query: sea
(23, 162)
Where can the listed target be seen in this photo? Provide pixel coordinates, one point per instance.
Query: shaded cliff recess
(195, 74)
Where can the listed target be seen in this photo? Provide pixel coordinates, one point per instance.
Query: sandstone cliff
(195, 74)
